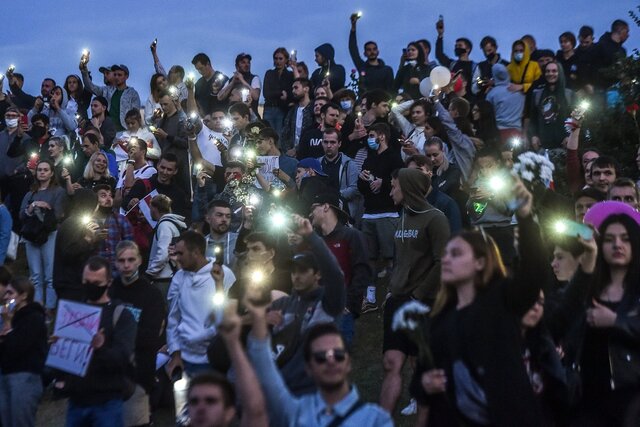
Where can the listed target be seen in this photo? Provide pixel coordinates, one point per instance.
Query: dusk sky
(46, 39)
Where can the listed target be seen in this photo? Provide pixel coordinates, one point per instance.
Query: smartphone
(567, 227)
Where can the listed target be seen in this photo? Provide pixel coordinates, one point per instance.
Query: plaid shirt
(119, 228)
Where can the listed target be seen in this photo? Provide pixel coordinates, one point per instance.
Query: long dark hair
(420, 59)
(78, 94)
(602, 274)
(153, 84)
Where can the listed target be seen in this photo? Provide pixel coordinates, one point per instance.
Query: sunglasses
(337, 354)
(208, 400)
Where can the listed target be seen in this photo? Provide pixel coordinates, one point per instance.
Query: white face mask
(11, 123)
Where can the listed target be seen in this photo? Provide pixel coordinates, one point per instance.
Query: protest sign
(267, 165)
(76, 325)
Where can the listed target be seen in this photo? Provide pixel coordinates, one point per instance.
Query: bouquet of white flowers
(408, 319)
(534, 169)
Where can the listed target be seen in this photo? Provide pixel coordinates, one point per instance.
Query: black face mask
(460, 51)
(490, 56)
(94, 292)
(38, 132)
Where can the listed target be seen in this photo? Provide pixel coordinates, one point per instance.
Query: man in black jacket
(97, 398)
(311, 141)
(483, 74)
(373, 73)
(329, 70)
(298, 119)
(149, 308)
(75, 243)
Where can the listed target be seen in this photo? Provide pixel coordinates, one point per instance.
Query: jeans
(108, 414)
(348, 328)
(275, 116)
(20, 394)
(40, 259)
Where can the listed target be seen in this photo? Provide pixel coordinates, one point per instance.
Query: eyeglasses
(337, 354)
(207, 400)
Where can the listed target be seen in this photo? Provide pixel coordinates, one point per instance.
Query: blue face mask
(518, 56)
(346, 105)
(373, 144)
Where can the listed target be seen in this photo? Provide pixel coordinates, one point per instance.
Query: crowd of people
(232, 246)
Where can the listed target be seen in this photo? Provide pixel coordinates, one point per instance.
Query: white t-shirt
(144, 172)
(299, 115)
(207, 145)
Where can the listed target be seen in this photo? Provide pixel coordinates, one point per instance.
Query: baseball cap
(334, 201)
(311, 163)
(104, 69)
(120, 67)
(304, 261)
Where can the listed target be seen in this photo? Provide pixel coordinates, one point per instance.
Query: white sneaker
(383, 273)
(411, 409)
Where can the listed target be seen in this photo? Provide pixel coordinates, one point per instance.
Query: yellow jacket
(524, 72)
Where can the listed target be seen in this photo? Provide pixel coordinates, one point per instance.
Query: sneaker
(368, 307)
(383, 273)
(411, 409)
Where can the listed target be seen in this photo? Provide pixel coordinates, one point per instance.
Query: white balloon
(426, 86)
(440, 76)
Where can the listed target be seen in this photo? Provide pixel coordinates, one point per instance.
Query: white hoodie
(190, 297)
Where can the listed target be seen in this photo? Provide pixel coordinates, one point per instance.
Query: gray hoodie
(168, 227)
(61, 122)
(507, 105)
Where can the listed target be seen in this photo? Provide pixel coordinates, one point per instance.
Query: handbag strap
(337, 421)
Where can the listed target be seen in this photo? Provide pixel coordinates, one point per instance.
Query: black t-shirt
(332, 169)
(310, 144)
(206, 92)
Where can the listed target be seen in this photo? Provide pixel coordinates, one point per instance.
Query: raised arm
(353, 46)
(254, 407)
(281, 403)
(523, 290)
(461, 145)
(397, 113)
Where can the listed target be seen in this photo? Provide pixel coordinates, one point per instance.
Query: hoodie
(168, 227)
(190, 297)
(336, 71)
(508, 106)
(420, 239)
(525, 72)
(371, 76)
(61, 122)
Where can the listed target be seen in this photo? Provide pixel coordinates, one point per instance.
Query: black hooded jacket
(24, 349)
(336, 71)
